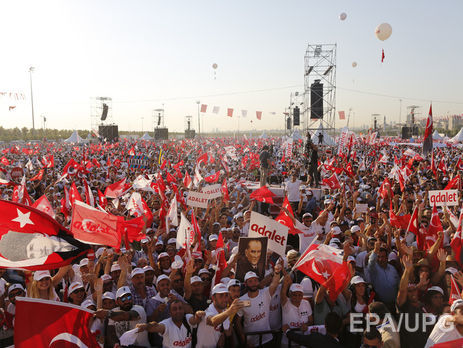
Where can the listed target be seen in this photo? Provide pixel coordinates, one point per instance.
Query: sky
(149, 54)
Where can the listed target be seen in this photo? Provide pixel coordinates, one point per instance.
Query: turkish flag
(202, 159)
(203, 108)
(5, 161)
(48, 161)
(284, 219)
(259, 115)
(401, 221)
(94, 226)
(449, 344)
(263, 195)
(43, 204)
(435, 226)
(454, 183)
(459, 164)
(226, 197)
(230, 112)
(102, 199)
(456, 243)
(42, 324)
(89, 198)
(332, 182)
(443, 166)
(455, 293)
(427, 139)
(71, 168)
(117, 189)
(325, 265)
(413, 224)
(31, 239)
(74, 194)
(385, 188)
(212, 178)
(221, 261)
(132, 229)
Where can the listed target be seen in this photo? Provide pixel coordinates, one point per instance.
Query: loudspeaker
(190, 133)
(161, 134)
(296, 116)
(316, 100)
(406, 133)
(109, 132)
(288, 123)
(104, 114)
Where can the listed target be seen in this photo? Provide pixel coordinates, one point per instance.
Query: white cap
(392, 256)
(225, 280)
(163, 254)
(355, 229)
(195, 279)
(159, 242)
(144, 240)
(39, 275)
(75, 286)
(456, 304)
(296, 288)
(335, 240)
(451, 270)
(124, 290)
(99, 252)
(147, 269)
(108, 295)
(14, 287)
(336, 230)
(306, 284)
(83, 262)
(213, 237)
(350, 258)
(136, 271)
(357, 280)
(115, 267)
(250, 275)
(172, 241)
(162, 277)
(106, 277)
(233, 282)
(436, 288)
(203, 271)
(87, 303)
(220, 289)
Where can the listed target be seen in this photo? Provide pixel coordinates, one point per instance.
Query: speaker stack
(161, 134)
(190, 133)
(109, 132)
(316, 100)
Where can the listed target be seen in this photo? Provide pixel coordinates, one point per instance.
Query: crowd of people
(400, 288)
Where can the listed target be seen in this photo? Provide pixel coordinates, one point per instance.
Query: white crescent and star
(23, 218)
(68, 338)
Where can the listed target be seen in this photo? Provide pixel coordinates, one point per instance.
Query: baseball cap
(219, 289)
(336, 230)
(144, 240)
(75, 286)
(83, 262)
(162, 277)
(14, 287)
(357, 280)
(355, 229)
(307, 215)
(106, 277)
(99, 252)
(213, 237)
(163, 254)
(203, 271)
(124, 290)
(456, 304)
(159, 242)
(136, 271)
(172, 241)
(87, 303)
(350, 258)
(195, 279)
(115, 267)
(309, 192)
(250, 275)
(436, 288)
(147, 269)
(296, 288)
(39, 275)
(108, 295)
(451, 270)
(233, 282)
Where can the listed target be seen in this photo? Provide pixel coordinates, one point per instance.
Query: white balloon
(354, 64)
(343, 16)
(383, 31)
(214, 66)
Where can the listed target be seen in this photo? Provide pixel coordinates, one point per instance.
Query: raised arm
(284, 289)
(403, 286)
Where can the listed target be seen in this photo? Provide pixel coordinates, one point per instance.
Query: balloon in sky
(354, 64)
(214, 66)
(383, 31)
(343, 16)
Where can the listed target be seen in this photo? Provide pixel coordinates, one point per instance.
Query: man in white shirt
(217, 317)
(292, 191)
(449, 326)
(256, 315)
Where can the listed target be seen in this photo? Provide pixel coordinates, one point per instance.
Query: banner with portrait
(252, 256)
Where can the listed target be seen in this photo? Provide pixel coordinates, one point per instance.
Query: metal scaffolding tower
(97, 104)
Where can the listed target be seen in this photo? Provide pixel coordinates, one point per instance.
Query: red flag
(117, 189)
(263, 195)
(196, 230)
(71, 168)
(38, 176)
(43, 204)
(226, 197)
(203, 108)
(332, 182)
(434, 227)
(454, 183)
(33, 240)
(74, 194)
(385, 188)
(102, 199)
(413, 224)
(342, 115)
(382, 56)
(284, 219)
(202, 159)
(88, 194)
(230, 112)
(427, 140)
(449, 344)
(456, 243)
(325, 265)
(221, 261)
(460, 164)
(5, 161)
(443, 166)
(41, 323)
(132, 229)
(48, 161)
(212, 178)
(187, 180)
(259, 115)
(94, 226)
(455, 293)
(400, 221)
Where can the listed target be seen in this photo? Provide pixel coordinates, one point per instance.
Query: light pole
(142, 124)
(31, 70)
(199, 121)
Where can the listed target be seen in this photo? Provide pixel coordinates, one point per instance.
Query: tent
(146, 136)
(74, 138)
(437, 136)
(296, 135)
(327, 139)
(263, 136)
(457, 138)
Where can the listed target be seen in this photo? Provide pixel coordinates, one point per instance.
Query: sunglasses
(126, 298)
(78, 291)
(14, 294)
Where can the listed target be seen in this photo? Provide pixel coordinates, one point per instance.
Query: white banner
(262, 226)
(197, 199)
(443, 198)
(185, 234)
(289, 148)
(213, 191)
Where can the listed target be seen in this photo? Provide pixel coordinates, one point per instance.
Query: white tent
(146, 136)
(263, 136)
(74, 138)
(327, 139)
(296, 135)
(457, 138)
(437, 136)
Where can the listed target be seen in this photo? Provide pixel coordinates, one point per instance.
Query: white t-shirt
(295, 316)
(443, 333)
(292, 190)
(256, 316)
(123, 326)
(175, 336)
(275, 310)
(208, 336)
(306, 237)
